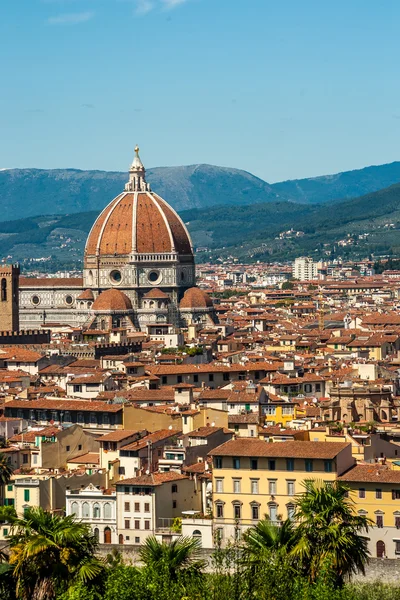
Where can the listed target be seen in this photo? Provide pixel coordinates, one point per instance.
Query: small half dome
(112, 300)
(195, 298)
(86, 295)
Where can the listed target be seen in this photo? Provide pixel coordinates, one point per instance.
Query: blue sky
(281, 88)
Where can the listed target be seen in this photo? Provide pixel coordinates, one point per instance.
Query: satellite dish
(170, 427)
(147, 472)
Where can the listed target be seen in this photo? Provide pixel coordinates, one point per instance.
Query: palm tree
(267, 544)
(329, 532)
(48, 551)
(181, 556)
(6, 469)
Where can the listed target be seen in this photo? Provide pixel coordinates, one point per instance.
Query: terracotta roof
(156, 293)
(374, 473)
(96, 378)
(199, 467)
(195, 298)
(142, 222)
(157, 436)
(250, 367)
(86, 295)
(51, 282)
(296, 449)
(112, 299)
(18, 354)
(117, 436)
(50, 404)
(247, 418)
(153, 479)
(203, 432)
(84, 459)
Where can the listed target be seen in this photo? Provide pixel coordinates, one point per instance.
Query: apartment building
(305, 269)
(148, 504)
(252, 478)
(375, 490)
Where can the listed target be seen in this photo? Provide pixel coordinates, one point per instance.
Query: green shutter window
(9, 487)
(5, 532)
(27, 495)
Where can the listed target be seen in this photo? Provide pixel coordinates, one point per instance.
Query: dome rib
(97, 227)
(182, 239)
(164, 218)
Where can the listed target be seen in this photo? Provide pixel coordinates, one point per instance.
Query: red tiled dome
(112, 300)
(195, 298)
(86, 295)
(139, 222)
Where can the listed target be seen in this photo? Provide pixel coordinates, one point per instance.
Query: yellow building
(375, 490)
(252, 478)
(279, 412)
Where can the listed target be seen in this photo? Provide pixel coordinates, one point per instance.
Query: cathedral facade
(138, 270)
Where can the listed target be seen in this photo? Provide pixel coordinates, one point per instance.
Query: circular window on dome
(153, 276)
(35, 300)
(116, 276)
(69, 300)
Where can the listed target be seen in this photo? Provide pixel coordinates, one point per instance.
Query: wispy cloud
(144, 6)
(71, 18)
(170, 4)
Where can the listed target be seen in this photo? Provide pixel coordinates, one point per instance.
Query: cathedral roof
(112, 300)
(195, 298)
(86, 295)
(138, 221)
(156, 293)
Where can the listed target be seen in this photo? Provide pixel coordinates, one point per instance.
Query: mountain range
(230, 212)
(35, 192)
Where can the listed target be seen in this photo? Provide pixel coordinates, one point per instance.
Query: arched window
(85, 510)
(197, 534)
(107, 510)
(3, 295)
(96, 510)
(290, 511)
(273, 512)
(120, 539)
(90, 278)
(75, 509)
(96, 533)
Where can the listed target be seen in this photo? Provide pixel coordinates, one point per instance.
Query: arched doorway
(107, 535)
(380, 549)
(120, 539)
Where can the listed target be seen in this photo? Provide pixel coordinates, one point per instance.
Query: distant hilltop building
(305, 269)
(138, 271)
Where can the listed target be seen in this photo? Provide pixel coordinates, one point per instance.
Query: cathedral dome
(112, 300)
(138, 221)
(195, 298)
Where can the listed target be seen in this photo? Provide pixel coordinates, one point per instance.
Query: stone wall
(378, 569)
